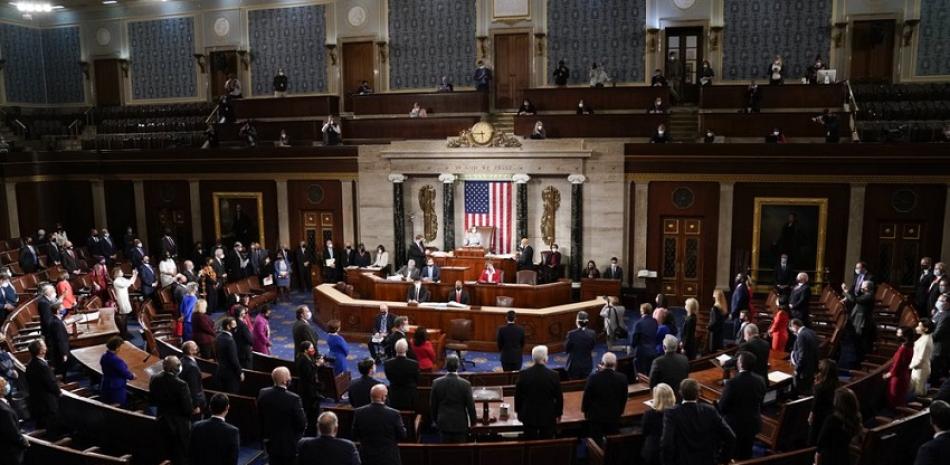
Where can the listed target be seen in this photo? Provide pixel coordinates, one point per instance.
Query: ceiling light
(33, 7)
(109, 2)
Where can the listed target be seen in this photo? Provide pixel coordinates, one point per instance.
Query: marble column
(13, 214)
(855, 232)
(724, 249)
(399, 221)
(641, 192)
(521, 210)
(577, 224)
(448, 211)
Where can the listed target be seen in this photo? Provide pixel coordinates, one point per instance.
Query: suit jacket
(403, 376)
(171, 397)
(580, 347)
(53, 253)
(106, 247)
(695, 434)
(327, 449)
(421, 295)
(798, 302)
(932, 297)
(454, 296)
(45, 308)
(856, 282)
(283, 420)
(669, 368)
(136, 255)
(739, 300)
(451, 404)
(405, 273)
(612, 274)
(644, 337)
(538, 397)
(932, 450)
(214, 442)
(805, 354)
(339, 260)
(433, 274)
(922, 291)
(70, 261)
(861, 317)
(417, 253)
(510, 340)
(43, 388)
(389, 344)
(941, 335)
(169, 246)
(57, 340)
(228, 374)
(761, 349)
(605, 396)
(29, 261)
(232, 265)
(741, 403)
(245, 343)
(359, 390)
(526, 260)
(302, 331)
(378, 322)
(378, 429)
(147, 277)
(12, 442)
(191, 375)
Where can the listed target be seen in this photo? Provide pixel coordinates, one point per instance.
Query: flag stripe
(489, 204)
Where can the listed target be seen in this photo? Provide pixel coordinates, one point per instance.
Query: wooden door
(899, 253)
(872, 50)
(358, 66)
(318, 228)
(108, 82)
(681, 261)
(686, 43)
(223, 65)
(512, 69)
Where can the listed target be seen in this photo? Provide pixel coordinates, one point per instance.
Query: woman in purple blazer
(261, 331)
(115, 374)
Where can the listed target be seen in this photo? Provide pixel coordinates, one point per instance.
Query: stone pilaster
(448, 210)
(521, 210)
(399, 220)
(577, 224)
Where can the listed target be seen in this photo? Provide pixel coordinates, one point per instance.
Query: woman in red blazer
(490, 274)
(203, 329)
(425, 353)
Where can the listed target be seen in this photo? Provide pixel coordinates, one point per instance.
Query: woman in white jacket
(920, 363)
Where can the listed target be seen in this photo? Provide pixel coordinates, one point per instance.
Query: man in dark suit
(214, 441)
(43, 401)
(191, 375)
(57, 340)
(382, 324)
(8, 296)
(417, 294)
(613, 271)
(459, 294)
(525, 255)
(107, 246)
(931, 452)
(403, 375)
(430, 272)
(169, 246)
(940, 281)
(171, 397)
(229, 374)
(417, 250)
(804, 357)
(257, 260)
(539, 401)
(137, 253)
(70, 259)
(741, 405)
(327, 448)
(148, 278)
(307, 367)
(799, 299)
(302, 331)
(740, 297)
(452, 405)
(360, 388)
(922, 288)
(670, 368)
(303, 257)
(861, 326)
(643, 339)
(29, 258)
(400, 331)
(759, 348)
(784, 276)
(580, 347)
(12, 442)
(332, 273)
(44, 306)
(235, 262)
(378, 429)
(605, 397)
(695, 433)
(510, 340)
(861, 274)
(283, 420)
(941, 340)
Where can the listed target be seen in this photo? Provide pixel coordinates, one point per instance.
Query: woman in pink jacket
(261, 331)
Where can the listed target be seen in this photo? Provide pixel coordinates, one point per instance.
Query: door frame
(380, 81)
(658, 56)
(897, 61)
(242, 74)
(701, 45)
(491, 58)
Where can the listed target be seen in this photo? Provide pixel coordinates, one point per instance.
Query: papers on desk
(91, 317)
(776, 377)
(268, 280)
(722, 359)
(440, 254)
(642, 274)
(394, 277)
(648, 403)
(330, 262)
(373, 268)
(443, 306)
(377, 338)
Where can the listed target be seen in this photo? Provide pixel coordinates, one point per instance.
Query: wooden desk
(596, 125)
(759, 124)
(711, 379)
(98, 332)
(318, 106)
(591, 288)
(599, 98)
(142, 364)
(476, 264)
(786, 96)
(433, 127)
(547, 326)
(523, 295)
(433, 102)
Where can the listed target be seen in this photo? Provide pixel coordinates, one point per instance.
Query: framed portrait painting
(794, 227)
(239, 217)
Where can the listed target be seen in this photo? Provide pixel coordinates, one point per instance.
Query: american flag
(488, 203)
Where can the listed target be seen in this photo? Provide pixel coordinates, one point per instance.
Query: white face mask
(938, 273)
(857, 271)
(660, 132)
(941, 305)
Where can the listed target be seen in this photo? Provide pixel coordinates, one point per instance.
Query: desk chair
(460, 332)
(527, 277)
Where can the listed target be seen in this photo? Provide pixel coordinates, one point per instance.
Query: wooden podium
(469, 252)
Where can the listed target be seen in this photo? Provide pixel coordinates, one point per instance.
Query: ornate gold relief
(430, 221)
(552, 201)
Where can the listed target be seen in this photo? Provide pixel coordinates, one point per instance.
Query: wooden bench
(61, 452)
(789, 431)
(286, 107)
(344, 413)
(596, 125)
(433, 127)
(251, 288)
(619, 449)
(399, 103)
(895, 442)
(798, 457)
(789, 96)
(758, 125)
(635, 98)
(545, 452)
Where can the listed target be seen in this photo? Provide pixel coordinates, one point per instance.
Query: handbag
(619, 331)
(179, 327)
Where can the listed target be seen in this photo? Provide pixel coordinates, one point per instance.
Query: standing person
(741, 405)
(192, 376)
(605, 397)
(171, 397)
(43, 390)
(228, 375)
(282, 272)
(561, 74)
(13, 443)
(403, 375)
(282, 418)
(670, 368)
(338, 347)
(214, 441)
(688, 338)
(922, 289)
(423, 349)
(717, 318)
(326, 447)
(307, 365)
(510, 341)
(652, 423)
(941, 340)
(243, 338)
(643, 343)
(839, 429)
(187, 309)
(898, 377)
(778, 331)
(939, 446)
(261, 331)
(115, 374)
(826, 384)
(804, 357)
(332, 134)
(739, 300)
(452, 405)
(580, 347)
(360, 388)
(706, 74)
(774, 73)
(303, 258)
(121, 285)
(232, 87)
(378, 429)
(64, 291)
(539, 401)
(615, 327)
(920, 363)
(482, 77)
(799, 299)
(280, 83)
(302, 331)
(694, 433)
(861, 325)
(57, 340)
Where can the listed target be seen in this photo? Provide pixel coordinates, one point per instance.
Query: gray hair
(45, 287)
(750, 331)
(803, 277)
(609, 359)
(401, 347)
(692, 305)
(670, 343)
(539, 354)
(192, 288)
(327, 423)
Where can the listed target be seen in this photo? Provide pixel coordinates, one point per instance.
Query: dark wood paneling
(316, 106)
(168, 204)
(760, 124)
(928, 210)
(298, 200)
(872, 50)
(120, 206)
(838, 196)
(5, 224)
(704, 207)
(108, 81)
(299, 132)
(43, 204)
(599, 98)
(613, 125)
(223, 64)
(268, 188)
(433, 102)
(630, 272)
(357, 67)
(406, 128)
(512, 69)
(789, 96)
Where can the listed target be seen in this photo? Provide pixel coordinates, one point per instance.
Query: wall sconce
(245, 58)
(481, 46)
(715, 32)
(908, 32)
(381, 45)
(652, 32)
(331, 51)
(200, 59)
(539, 39)
(84, 67)
(124, 65)
(838, 35)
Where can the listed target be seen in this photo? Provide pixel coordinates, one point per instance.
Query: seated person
(473, 238)
(430, 273)
(459, 294)
(527, 108)
(591, 271)
(598, 77)
(249, 133)
(538, 132)
(661, 136)
(211, 138)
(551, 265)
(561, 74)
(658, 79)
(811, 74)
(409, 271)
(489, 274)
(709, 137)
(775, 137)
(657, 108)
(583, 108)
(706, 75)
(752, 97)
(417, 111)
(364, 88)
(416, 293)
(830, 121)
(284, 140)
(444, 85)
(332, 134)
